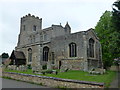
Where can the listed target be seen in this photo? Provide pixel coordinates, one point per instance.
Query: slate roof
(18, 55)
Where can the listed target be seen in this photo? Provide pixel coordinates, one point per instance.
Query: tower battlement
(30, 23)
(33, 16)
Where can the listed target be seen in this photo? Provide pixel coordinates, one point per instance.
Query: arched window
(24, 27)
(45, 37)
(53, 58)
(29, 55)
(34, 27)
(45, 53)
(91, 47)
(30, 39)
(41, 37)
(72, 50)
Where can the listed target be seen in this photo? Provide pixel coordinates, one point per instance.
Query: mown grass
(78, 75)
(85, 76)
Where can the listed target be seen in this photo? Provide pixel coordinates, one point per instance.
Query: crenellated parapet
(30, 16)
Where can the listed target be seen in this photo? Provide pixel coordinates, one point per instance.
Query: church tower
(29, 24)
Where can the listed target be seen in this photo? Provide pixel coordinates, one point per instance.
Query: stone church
(56, 47)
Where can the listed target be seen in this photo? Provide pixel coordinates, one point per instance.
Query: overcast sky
(80, 14)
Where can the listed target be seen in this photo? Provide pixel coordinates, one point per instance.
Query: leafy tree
(5, 55)
(116, 15)
(108, 30)
(116, 28)
(104, 31)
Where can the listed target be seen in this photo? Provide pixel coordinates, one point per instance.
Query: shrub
(44, 67)
(29, 66)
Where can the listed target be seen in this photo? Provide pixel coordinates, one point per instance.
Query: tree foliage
(5, 55)
(104, 32)
(116, 15)
(116, 27)
(108, 31)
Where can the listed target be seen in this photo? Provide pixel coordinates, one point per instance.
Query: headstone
(97, 71)
(14, 67)
(49, 66)
(36, 69)
(17, 68)
(24, 68)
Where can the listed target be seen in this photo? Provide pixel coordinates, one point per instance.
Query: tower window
(72, 50)
(24, 27)
(45, 37)
(34, 27)
(33, 39)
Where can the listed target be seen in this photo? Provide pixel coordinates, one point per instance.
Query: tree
(108, 30)
(116, 27)
(116, 15)
(5, 55)
(104, 31)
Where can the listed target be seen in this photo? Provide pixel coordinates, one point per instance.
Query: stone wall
(52, 81)
(114, 68)
(72, 64)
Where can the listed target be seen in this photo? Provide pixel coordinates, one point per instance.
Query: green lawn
(79, 75)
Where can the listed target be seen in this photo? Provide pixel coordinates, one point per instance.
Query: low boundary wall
(52, 81)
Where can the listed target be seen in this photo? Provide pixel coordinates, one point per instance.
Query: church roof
(17, 55)
(77, 34)
(50, 28)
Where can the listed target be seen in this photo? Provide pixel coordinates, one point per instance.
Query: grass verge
(78, 75)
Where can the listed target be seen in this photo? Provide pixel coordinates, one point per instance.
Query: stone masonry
(52, 81)
(56, 45)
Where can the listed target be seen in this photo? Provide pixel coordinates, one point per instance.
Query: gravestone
(97, 71)
(36, 69)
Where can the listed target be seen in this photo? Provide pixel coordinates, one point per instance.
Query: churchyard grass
(29, 71)
(85, 76)
(78, 75)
